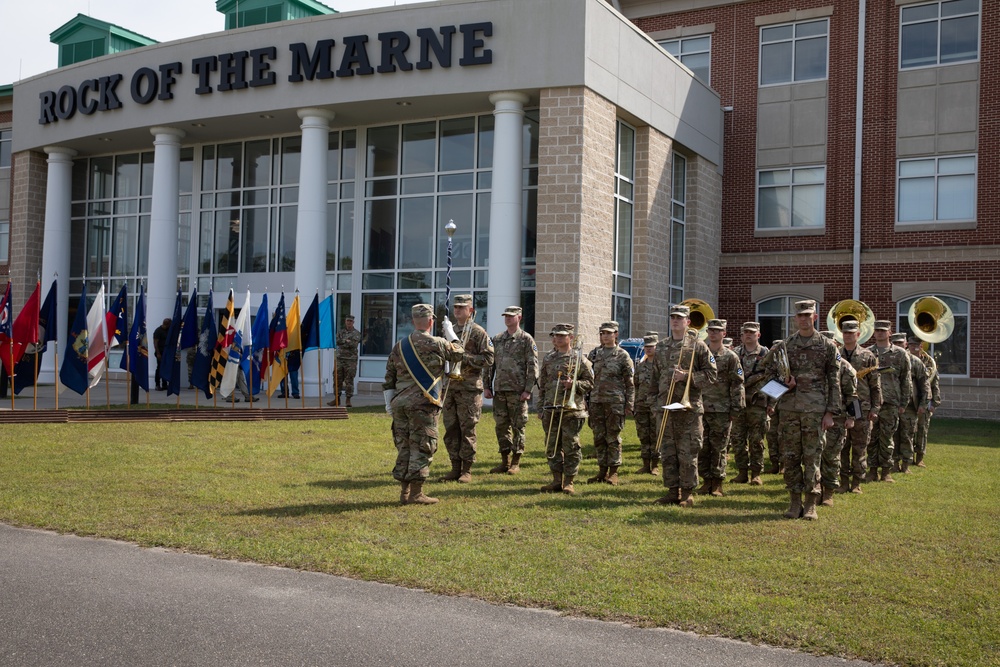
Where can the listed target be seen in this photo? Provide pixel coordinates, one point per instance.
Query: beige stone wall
(970, 398)
(27, 226)
(703, 234)
(576, 155)
(651, 252)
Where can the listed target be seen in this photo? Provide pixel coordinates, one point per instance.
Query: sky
(25, 49)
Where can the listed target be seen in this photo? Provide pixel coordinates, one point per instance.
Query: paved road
(74, 601)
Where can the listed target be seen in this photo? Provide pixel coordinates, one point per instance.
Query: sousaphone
(931, 320)
(701, 313)
(847, 310)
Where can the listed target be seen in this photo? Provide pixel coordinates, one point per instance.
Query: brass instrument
(701, 313)
(780, 356)
(871, 369)
(691, 335)
(568, 401)
(847, 310)
(931, 320)
(548, 429)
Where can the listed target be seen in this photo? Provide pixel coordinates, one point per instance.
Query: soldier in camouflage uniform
(773, 434)
(895, 393)
(808, 409)
(643, 416)
(924, 420)
(854, 455)
(509, 381)
(837, 435)
(916, 405)
(463, 404)
(346, 359)
(413, 406)
(611, 399)
(678, 358)
(723, 400)
(562, 424)
(750, 425)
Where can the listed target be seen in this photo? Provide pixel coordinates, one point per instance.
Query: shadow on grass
(353, 483)
(291, 511)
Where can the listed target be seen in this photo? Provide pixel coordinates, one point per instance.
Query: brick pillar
(651, 251)
(27, 224)
(704, 234)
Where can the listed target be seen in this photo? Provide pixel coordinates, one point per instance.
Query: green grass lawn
(905, 573)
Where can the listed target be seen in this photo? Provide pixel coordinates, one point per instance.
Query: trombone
(685, 403)
(568, 400)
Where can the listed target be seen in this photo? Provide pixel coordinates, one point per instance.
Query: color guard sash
(429, 385)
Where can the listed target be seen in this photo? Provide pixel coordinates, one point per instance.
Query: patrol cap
(827, 334)
(914, 340)
(609, 326)
(717, 324)
(882, 325)
(652, 333)
(422, 310)
(850, 326)
(727, 341)
(805, 307)
(650, 339)
(349, 317)
(462, 300)
(512, 310)
(566, 329)
(898, 338)
(751, 326)
(683, 311)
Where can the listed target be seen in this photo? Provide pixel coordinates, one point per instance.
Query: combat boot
(687, 500)
(466, 472)
(644, 470)
(904, 467)
(417, 496)
(601, 476)
(504, 464)
(654, 466)
(856, 484)
(918, 460)
(612, 477)
(706, 487)
(568, 485)
(755, 477)
(456, 471)
(556, 484)
(886, 476)
(717, 489)
(404, 493)
(827, 498)
(773, 469)
(672, 498)
(742, 478)
(872, 475)
(845, 484)
(348, 403)
(895, 465)
(515, 465)
(809, 511)
(795, 508)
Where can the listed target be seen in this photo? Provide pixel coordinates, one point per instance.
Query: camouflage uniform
(924, 420)
(513, 372)
(414, 416)
(346, 359)
(682, 434)
(563, 439)
(723, 401)
(837, 436)
(750, 425)
(643, 415)
(613, 394)
(463, 406)
(920, 396)
(854, 455)
(895, 393)
(774, 439)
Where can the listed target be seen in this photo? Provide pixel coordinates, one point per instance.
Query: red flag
(25, 330)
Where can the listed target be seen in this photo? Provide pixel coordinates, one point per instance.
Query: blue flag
(189, 330)
(74, 368)
(310, 326)
(117, 317)
(171, 371)
(136, 361)
(6, 316)
(206, 347)
(48, 318)
(261, 343)
(327, 325)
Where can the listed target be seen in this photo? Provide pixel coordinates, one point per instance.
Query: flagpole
(107, 366)
(450, 230)
(38, 286)
(34, 405)
(12, 374)
(55, 372)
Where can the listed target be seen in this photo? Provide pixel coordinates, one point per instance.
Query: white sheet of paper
(774, 389)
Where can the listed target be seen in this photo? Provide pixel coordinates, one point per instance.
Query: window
(80, 51)
(952, 354)
(938, 33)
(259, 16)
(4, 241)
(938, 189)
(621, 298)
(791, 198)
(678, 217)
(695, 53)
(777, 318)
(793, 52)
(4, 149)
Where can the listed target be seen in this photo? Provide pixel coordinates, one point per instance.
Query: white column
(310, 235)
(505, 208)
(161, 286)
(56, 244)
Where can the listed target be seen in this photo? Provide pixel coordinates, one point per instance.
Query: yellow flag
(279, 369)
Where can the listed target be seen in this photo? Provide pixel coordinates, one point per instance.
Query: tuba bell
(847, 310)
(701, 313)
(931, 320)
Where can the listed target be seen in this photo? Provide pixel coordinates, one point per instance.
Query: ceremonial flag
(237, 351)
(118, 318)
(189, 330)
(310, 326)
(23, 333)
(136, 361)
(6, 318)
(261, 345)
(170, 373)
(47, 317)
(279, 341)
(73, 373)
(206, 345)
(327, 325)
(97, 327)
(222, 343)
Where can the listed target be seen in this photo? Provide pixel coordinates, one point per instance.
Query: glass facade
(621, 306)
(678, 221)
